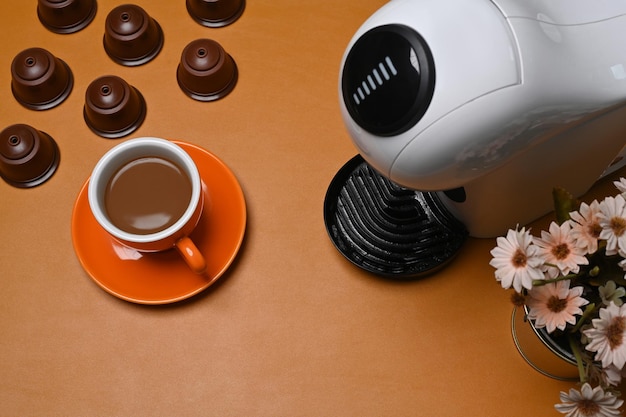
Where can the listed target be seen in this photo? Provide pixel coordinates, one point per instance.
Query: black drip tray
(387, 229)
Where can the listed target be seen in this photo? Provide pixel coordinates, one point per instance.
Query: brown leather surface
(292, 329)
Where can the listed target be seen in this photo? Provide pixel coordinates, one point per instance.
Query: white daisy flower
(589, 402)
(586, 226)
(621, 186)
(607, 337)
(612, 217)
(613, 376)
(555, 305)
(557, 248)
(516, 261)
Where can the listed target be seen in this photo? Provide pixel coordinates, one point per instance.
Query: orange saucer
(163, 277)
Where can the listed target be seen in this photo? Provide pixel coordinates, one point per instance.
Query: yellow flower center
(588, 407)
(594, 230)
(618, 225)
(556, 304)
(615, 332)
(561, 251)
(519, 259)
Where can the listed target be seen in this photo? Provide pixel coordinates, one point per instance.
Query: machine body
(489, 103)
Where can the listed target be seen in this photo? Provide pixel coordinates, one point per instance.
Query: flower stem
(589, 310)
(540, 282)
(579, 359)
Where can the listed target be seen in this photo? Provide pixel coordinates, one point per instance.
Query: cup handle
(192, 255)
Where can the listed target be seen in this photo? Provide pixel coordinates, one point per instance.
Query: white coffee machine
(489, 104)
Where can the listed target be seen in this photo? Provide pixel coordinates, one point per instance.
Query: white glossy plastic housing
(528, 95)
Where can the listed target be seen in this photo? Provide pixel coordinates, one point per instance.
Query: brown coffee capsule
(28, 157)
(66, 16)
(113, 108)
(40, 80)
(131, 37)
(215, 13)
(206, 72)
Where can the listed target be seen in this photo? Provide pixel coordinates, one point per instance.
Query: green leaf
(564, 203)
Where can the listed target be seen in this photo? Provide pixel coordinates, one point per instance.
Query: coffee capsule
(131, 37)
(40, 80)
(66, 16)
(28, 157)
(113, 108)
(206, 72)
(215, 13)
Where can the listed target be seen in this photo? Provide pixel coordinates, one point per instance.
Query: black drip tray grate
(387, 229)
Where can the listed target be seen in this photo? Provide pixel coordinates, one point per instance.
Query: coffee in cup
(134, 196)
(147, 193)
